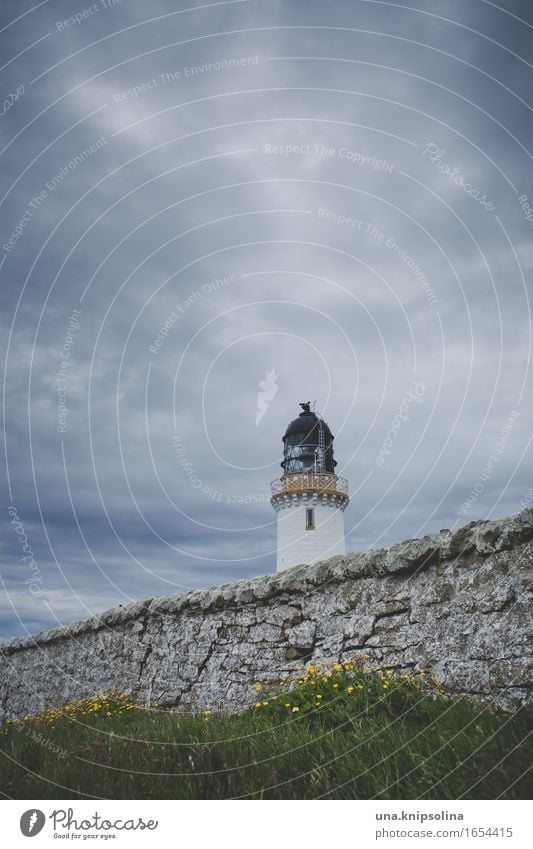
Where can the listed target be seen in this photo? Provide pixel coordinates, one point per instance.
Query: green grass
(369, 735)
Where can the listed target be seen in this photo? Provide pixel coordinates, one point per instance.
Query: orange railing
(322, 482)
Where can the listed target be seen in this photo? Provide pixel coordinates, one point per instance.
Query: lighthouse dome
(308, 444)
(306, 427)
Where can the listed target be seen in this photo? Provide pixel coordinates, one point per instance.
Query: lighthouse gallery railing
(321, 482)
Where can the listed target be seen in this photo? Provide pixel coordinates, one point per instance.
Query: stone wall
(456, 604)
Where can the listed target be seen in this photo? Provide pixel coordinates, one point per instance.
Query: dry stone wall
(455, 604)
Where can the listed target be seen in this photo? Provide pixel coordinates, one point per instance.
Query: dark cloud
(284, 180)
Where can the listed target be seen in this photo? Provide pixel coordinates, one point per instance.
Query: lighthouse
(309, 498)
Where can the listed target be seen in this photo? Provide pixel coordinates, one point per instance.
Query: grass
(341, 731)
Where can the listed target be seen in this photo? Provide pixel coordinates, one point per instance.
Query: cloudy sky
(335, 198)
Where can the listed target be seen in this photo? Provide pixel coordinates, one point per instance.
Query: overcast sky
(330, 199)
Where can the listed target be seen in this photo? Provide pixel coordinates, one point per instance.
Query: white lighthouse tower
(309, 498)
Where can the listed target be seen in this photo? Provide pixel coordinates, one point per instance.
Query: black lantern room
(308, 444)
